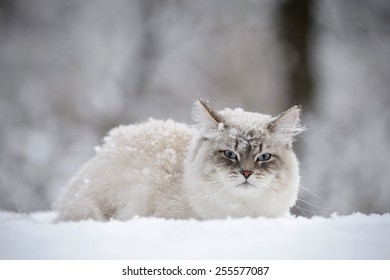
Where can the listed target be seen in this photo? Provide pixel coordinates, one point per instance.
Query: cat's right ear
(206, 116)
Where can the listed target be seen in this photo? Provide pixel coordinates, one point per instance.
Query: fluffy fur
(216, 169)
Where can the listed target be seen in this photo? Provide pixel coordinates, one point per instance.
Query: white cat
(231, 164)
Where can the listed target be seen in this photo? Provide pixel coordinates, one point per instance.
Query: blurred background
(71, 70)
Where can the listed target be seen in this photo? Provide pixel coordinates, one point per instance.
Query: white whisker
(308, 203)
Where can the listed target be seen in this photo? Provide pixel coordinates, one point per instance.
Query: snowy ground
(36, 236)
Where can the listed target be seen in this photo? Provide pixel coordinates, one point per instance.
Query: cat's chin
(244, 187)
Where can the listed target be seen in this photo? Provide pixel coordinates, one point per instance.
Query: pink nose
(246, 174)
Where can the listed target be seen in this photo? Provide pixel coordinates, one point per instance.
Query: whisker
(300, 210)
(307, 210)
(311, 192)
(308, 203)
(325, 207)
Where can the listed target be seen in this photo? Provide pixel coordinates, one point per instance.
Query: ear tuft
(287, 125)
(204, 115)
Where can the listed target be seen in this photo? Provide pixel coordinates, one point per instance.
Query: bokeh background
(70, 70)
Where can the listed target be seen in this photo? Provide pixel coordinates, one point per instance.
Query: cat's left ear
(206, 116)
(287, 125)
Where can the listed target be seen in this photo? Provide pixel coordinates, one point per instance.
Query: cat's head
(244, 157)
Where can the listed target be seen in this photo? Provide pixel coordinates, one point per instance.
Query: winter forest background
(70, 70)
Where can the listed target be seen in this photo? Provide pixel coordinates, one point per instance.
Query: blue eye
(264, 157)
(230, 155)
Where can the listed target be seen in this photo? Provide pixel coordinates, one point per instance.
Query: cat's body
(234, 163)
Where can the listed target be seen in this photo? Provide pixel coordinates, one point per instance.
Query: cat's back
(157, 141)
(134, 162)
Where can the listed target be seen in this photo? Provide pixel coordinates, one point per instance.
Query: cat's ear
(206, 116)
(287, 125)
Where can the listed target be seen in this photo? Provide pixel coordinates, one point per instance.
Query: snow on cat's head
(242, 163)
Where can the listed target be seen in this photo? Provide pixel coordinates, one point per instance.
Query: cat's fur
(171, 170)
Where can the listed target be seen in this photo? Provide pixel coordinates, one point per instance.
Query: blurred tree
(295, 24)
(7, 10)
(148, 45)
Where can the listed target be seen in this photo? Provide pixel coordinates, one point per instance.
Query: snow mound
(37, 236)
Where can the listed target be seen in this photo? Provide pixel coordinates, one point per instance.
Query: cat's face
(247, 154)
(243, 158)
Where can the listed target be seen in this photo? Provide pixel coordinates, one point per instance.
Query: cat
(232, 163)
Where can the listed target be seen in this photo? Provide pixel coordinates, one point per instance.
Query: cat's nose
(246, 174)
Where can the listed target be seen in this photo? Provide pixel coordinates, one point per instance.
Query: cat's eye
(264, 157)
(230, 154)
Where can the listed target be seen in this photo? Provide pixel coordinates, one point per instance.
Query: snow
(237, 117)
(37, 236)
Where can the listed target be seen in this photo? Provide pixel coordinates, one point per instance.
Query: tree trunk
(295, 25)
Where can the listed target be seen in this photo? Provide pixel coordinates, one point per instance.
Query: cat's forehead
(244, 130)
(245, 120)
